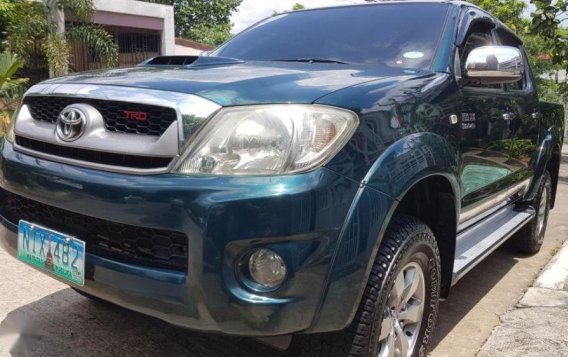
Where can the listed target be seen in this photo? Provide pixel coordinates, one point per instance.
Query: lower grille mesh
(131, 161)
(128, 244)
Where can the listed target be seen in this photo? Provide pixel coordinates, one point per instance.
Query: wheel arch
(542, 160)
(432, 200)
(553, 168)
(431, 194)
(410, 165)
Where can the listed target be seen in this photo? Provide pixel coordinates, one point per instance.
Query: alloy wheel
(541, 215)
(402, 317)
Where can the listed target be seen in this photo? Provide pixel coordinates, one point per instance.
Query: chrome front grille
(115, 113)
(121, 129)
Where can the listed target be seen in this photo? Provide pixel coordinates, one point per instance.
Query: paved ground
(538, 324)
(63, 323)
(484, 294)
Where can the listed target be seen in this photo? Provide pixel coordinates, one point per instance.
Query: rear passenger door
(524, 123)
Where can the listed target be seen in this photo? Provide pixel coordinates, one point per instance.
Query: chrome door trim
(490, 205)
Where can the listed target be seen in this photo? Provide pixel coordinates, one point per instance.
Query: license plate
(53, 251)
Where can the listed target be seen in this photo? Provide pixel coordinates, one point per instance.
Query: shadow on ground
(67, 324)
(472, 288)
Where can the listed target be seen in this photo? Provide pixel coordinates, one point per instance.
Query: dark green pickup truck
(318, 182)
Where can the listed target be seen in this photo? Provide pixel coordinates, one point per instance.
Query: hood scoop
(188, 61)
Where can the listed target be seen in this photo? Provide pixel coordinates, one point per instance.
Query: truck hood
(242, 83)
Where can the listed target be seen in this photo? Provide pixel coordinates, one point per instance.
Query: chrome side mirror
(494, 64)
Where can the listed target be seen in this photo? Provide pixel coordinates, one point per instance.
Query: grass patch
(555, 250)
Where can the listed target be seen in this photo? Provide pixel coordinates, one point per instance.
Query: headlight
(268, 139)
(10, 135)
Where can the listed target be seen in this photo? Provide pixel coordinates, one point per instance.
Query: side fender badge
(453, 119)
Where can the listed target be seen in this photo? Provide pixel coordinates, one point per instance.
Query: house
(185, 47)
(140, 29)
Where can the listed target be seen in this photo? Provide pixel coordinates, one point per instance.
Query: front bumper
(300, 216)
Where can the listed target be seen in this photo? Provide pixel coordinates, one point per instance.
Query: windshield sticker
(413, 55)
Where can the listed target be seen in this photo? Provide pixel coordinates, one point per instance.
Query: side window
(522, 83)
(528, 74)
(506, 40)
(477, 38)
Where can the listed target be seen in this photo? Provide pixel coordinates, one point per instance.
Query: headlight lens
(268, 139)
(10, 135)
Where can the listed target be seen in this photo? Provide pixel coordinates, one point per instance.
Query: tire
(529, 239)
(408, 249)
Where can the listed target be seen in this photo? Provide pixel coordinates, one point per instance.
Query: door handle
(508, 116)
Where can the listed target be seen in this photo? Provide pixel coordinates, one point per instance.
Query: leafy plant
(98, 39)
(298, 6)
(33, 33)
(547, 21)
(57, 51)
(11, 88)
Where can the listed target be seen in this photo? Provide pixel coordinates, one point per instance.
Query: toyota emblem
(71, 124)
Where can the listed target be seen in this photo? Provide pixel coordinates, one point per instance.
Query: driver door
(485, 141)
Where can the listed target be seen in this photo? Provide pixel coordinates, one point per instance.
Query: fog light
(267, 268)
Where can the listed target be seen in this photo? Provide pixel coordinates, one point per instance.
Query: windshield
(396, 35)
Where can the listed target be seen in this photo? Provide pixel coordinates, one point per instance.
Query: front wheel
(406, 308)
(399, 308)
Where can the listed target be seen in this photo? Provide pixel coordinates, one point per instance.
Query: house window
(134, 47)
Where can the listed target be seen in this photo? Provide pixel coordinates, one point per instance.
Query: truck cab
(319, 182)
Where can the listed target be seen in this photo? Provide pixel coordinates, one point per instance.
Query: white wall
(187, 51)
(139, 8)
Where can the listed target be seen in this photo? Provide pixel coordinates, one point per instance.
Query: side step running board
(482, 239)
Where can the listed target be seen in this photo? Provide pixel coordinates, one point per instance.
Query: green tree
(206, 21)
(508, 11)
(298, 6)
(36, 31)
(547, 21)
(6, 10)
(541, 42)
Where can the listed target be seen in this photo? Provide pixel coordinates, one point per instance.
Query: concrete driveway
(68, 324)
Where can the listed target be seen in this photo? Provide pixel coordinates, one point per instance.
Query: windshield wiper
(312, 60)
